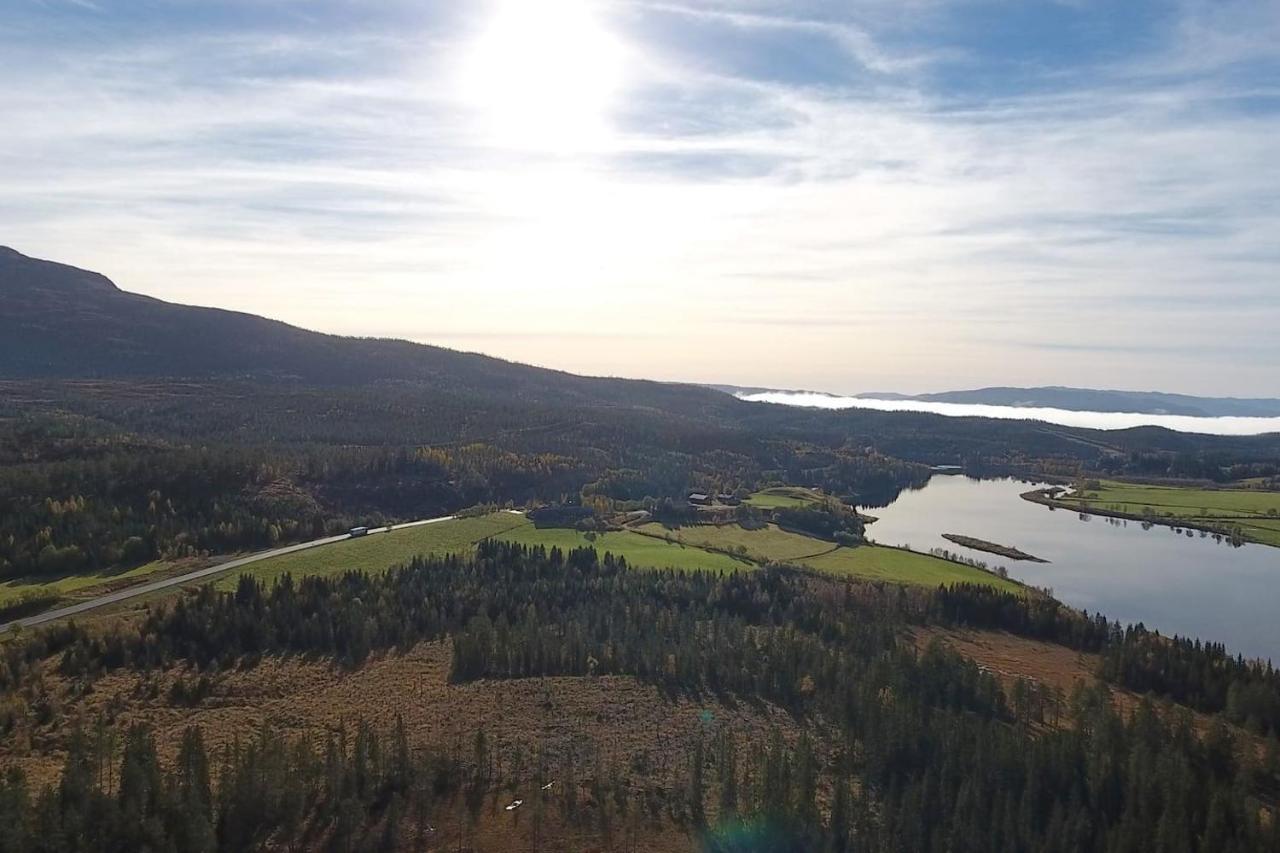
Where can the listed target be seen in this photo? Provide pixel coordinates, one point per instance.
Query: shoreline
(1041, 497)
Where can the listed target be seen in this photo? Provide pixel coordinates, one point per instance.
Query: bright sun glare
(542, 75)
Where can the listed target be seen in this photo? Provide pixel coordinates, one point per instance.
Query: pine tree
(697, 785)
(15, 812)
(192, 826)
(141, 791)
(728, 767)
(838, 825)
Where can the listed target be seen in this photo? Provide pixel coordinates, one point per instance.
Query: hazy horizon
(1204, 425)
(913, 197)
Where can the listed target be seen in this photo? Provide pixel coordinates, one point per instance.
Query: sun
(543, 75)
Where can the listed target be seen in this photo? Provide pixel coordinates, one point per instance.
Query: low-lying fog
(1065, 417)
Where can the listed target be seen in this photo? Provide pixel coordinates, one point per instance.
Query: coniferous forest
(901, 748)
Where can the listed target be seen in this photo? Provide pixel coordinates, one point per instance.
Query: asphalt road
(178, 580)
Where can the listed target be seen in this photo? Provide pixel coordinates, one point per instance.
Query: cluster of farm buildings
(722, 499)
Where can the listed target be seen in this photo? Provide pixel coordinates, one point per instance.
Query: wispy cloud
(849, 37)
(875, 195)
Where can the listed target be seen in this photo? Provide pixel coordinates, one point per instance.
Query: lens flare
(543, 76)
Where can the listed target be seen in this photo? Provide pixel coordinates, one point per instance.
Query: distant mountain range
(1084, 400)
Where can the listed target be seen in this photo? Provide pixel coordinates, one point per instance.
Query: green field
(639, 550)
(74, 585)
(892, 564)
(867, 561)
(381, 551)
(781, 497)
(1256, 512)
(763, 545)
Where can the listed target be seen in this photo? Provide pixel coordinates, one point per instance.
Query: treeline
(833, 523)
(853, 470)
(911, 751)
(1040, 617)
(564, 515)
(98, 476)
(506, 590)
(1198, 674)
(126, 507)
(1216, 466)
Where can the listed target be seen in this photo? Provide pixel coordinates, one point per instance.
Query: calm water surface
(1171, 582)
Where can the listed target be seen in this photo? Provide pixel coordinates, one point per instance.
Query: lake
(1171, 582)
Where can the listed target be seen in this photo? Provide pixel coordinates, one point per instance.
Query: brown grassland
(1010, 658)
(595, 722)
(598, 722)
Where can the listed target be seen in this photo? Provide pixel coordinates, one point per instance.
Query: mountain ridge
(61, 322)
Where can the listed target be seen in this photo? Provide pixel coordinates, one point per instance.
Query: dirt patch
(1011, 657)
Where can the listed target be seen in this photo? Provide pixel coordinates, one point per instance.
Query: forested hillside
(895, 749)
(60, 321)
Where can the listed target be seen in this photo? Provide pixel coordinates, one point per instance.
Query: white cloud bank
(1062, 417)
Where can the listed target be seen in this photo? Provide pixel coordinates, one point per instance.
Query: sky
(905, 195)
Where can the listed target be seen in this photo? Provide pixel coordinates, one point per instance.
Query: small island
(991, 548)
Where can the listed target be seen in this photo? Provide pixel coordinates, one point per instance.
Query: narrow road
(210, 571)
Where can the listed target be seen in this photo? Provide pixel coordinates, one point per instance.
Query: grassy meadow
(1256, 512)
(639, 550)
(784, 497)
(876, 562)
(763, 545)
(380, 551)
(868, 561)
(80, 586)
